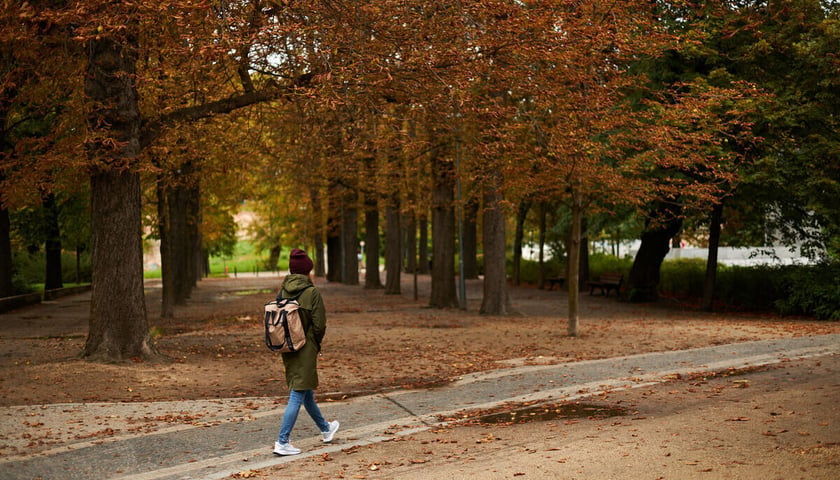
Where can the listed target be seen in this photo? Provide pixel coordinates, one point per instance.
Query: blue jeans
(296, 398)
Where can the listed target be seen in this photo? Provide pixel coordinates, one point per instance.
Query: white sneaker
(285, 449)
(328, 436)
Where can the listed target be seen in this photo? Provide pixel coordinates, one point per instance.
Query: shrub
(683, 277)
(811, 290)
(601, 263)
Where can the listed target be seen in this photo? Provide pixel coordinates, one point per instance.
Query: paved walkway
(217, 451)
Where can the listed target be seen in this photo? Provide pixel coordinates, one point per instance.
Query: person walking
(302, 366)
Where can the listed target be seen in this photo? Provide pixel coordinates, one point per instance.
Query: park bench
(558, 280)
(606, 282)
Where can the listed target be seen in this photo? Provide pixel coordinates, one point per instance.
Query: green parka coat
(302, 366)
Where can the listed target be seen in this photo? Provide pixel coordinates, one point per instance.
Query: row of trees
(333, 114)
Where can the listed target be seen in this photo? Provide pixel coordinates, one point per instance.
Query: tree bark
(119, 329)
(372, 280)
(393, 249)
(350, 241)
(583, 261)
(423, 246)
(409, 244)
(660, 226)
(53, 243)
(334, 246)
(318, 232)
(519, 234)
(193, 241)
(496, 300)
(167, 308)
(573, 278)
(179, 244)
(712, 260)
(444, 293)
(542, 227)
(471, 238)
(6, 287)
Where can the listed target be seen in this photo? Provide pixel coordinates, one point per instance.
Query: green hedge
(809, 290)
(30, 270)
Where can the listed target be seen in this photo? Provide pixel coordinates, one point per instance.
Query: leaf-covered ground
(374, 342)
(215, 352)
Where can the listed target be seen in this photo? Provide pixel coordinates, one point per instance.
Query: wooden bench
(606, 282)
(559, 280)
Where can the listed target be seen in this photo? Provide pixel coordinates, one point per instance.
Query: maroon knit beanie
(299, 262)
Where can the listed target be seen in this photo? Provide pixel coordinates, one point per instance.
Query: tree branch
(152, 129)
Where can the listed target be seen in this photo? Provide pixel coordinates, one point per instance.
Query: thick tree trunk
(6, 287)
(519, 234)
(393, 249)
(712, 260)
(471, 238)
(53, 244)
(660, 227)
(496, 300)
(372, 280)
(573, 278)
(119, 329)
(444, 293)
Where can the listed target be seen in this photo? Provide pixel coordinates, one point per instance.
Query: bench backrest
(611, 277)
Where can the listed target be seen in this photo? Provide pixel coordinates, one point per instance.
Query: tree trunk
(583, 261)
(53, 244)
(273, 258)
(471, 238)
(541, 270)
(393, 249)
(496, 300)
(119, 329)
(409, 244)
(6, 287)
(643, 281)
(573, 267)
(519, 234)
(334, 256)
(444, 293)
(318, 232)
(193, 241)
(423, 246)
(167, 308)
(350, 242)
(179, 244)
(372, 280)
(712, 260)
(334, 246)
